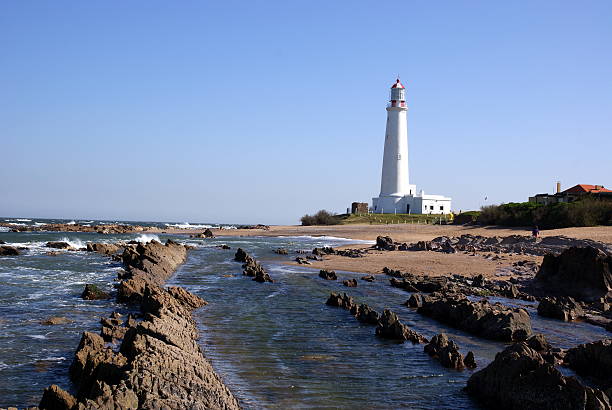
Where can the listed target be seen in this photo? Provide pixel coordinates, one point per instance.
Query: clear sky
(261, 111)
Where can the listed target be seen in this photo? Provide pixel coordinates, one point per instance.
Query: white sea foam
(71, 223)
(75, 243)
(4, 229)
(23, 220)
(86, 222)
(145, 238)
(187, 225)
(41, 337)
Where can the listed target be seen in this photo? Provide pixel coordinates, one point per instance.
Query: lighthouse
(397, 195)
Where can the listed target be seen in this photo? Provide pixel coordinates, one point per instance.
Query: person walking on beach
(535, 232)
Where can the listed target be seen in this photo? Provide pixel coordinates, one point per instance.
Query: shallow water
(275, 345)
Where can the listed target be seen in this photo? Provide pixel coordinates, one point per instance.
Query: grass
(384, 219)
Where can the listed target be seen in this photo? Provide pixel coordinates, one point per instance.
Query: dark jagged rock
(413, 283)
(6, 250)
(385, 243)
(281, 251)
(365, 314)
(323, 251)
(415, 300)
(394, 273)
(447, 353)
(562, 308)
(55, 320)
(328, 274)
(520, 378)
(368, 278)
(389, 327)
(208, 233)
(343, 301)
(240, 255)
(302, 261)
(469, 361)
(491, 321)
(262, 276)
(583, 273)
(225, 247)
(55, 398)
(93, 292)
(593, 360)
(351, 283)
(478, 281)
(58, 245)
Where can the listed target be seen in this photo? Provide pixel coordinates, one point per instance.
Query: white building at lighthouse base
(414, 203)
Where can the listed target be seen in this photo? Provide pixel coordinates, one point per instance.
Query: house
(572, 194)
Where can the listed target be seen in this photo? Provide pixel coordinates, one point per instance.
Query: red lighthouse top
(397, 84)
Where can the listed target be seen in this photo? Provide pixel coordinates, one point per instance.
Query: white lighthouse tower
(397, 195)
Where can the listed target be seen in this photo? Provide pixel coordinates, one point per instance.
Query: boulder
(385, 243)
(93, 292)
(562, 308)
(593, 360)
(344, 301)
(520, 378)
(281, 251)
(368, 278)
(583, 273)
(240, 255)
(446, 351)
(55, 398)
(6, 250)
(415, 300)
(491, 321)
(328, 274)
(351, 283)
(103, 248)
(390, 327)
(365, 314)
(55, 320)
(262, 276)
(58, 245)
(208, 233)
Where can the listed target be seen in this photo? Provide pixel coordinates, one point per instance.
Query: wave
(145, 238)
(4, 229)
(75, 243)
(23, 220)
(86, 222)
(187, 225)
(71, 223)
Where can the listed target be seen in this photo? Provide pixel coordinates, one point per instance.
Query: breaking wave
(145, 238)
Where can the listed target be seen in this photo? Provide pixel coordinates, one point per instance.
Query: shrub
(320, 218)
(586, 212)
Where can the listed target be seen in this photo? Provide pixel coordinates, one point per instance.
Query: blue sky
(247, 112)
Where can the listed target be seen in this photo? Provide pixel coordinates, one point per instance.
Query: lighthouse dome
(397, 84)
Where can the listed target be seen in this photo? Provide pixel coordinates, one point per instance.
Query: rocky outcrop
(583, 273)
(343, 301)
(252, 268)
(562, 308)
(6, 250)
(208, 233)
(93, 292)
(55, 398)
(390, 327)
(365, 314)
(281, 251)
(520, 378)
(159, 363)
(58, 245)
(593, 360)
(328, 274)
(412, 283)
(491, 321)
(55, 320)
(446, 351)
(350, 283)
(103, 248)
(368, 278)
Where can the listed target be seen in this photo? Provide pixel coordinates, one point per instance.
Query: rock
(103, 248)
(365, 314)
(281, 251)
(2, 242)
(351, 283)
(469, 361)
(208, 233)
(186, 298)
(538, 343)
(55, 320)
(328, 274)
(368, 278)
(446, 351)
(225, 247)
(6, 250)
(413, 283)
(385, 243)
(262, 276)
(92, 292)
(593, 360)
(344, 301)
(583, 273)
(302, 261)
(323, 251)
(58, 245)
(478, 281)
(415, 300)
(519, 378)
(562, 308)
(483, 319)
(390, 327)
(54, 398)
(240, 256)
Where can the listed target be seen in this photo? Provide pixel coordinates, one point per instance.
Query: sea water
(275, 345)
